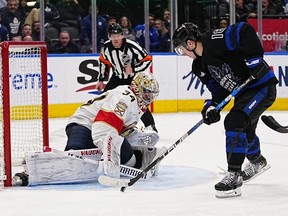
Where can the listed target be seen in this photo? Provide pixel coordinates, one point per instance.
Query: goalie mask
(145, 87)
(187, 31)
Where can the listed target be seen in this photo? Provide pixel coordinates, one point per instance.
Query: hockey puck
(123, 189)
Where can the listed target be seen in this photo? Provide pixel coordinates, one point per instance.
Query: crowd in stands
(245, 9)
(68, 26)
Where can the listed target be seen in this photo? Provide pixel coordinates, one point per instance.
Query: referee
(125, 58)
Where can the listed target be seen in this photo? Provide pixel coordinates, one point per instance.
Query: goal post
(23, 103)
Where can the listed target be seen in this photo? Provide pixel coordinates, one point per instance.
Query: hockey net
(23, 103)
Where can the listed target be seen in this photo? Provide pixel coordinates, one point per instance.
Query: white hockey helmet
(145, 87)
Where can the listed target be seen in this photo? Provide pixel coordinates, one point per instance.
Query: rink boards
(72, 79)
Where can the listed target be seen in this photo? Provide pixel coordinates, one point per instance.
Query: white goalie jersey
(112, 111)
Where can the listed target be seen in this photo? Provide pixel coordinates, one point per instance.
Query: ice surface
(185, 185)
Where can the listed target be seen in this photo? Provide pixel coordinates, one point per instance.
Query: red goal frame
(5, 46)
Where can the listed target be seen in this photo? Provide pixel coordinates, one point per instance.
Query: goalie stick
(124, 183)
(273, 124)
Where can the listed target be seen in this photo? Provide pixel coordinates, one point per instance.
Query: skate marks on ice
(169, 177)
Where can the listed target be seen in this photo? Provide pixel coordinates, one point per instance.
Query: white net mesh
(26, 126)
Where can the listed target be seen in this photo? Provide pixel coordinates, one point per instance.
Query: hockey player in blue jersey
(223, 59)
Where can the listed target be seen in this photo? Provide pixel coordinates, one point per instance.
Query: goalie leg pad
(57, 168)
(110, 162)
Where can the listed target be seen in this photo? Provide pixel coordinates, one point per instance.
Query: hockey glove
(258, 67)
(209, 113)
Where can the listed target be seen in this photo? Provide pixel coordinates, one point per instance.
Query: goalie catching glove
(141, 137)
(209, 113)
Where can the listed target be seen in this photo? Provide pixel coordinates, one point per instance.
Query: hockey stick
(273, 124)
(124, 183)
(124, 170)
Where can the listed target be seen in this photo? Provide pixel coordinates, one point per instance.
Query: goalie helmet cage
(23, 103)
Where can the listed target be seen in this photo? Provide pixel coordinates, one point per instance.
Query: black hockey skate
(230, 185)
(255, 168)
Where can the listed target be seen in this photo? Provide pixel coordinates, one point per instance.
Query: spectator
(26, 30)
(285, 7)
(23, 8)
(268, 8)
(4, 34)
(224, 7)
(36, 34)
(278, 5)
(86, 29)
(157, 10)
(223, 23)
(251, 4)
(111, 20)
(126, 26)
(153, 33)
(3, 3)
(51, 14)
(164, 36)
(16, 38)
(167, 18)
(242, 11)
(64, 45)
(36, 31)
(11, 18)
(27, 38)
(70, 12)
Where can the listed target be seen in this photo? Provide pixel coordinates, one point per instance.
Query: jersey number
(218, 33)
(128, 93)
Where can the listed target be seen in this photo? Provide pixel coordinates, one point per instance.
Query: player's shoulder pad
(242, 26)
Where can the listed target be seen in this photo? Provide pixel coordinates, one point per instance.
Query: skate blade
(268, 166)
(227, 194)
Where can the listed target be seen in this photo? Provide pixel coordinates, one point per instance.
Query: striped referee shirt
(113, 58)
